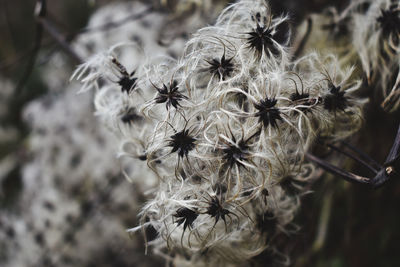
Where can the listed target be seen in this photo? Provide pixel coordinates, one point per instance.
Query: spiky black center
(221, 67)
(182, 143)
(216, 210)
(170, 95)
(185, 216)
(335, 100)
(127, 83)
(267, 113)
(389, 21)
(236, 153)
(131, 116)
(261, 39)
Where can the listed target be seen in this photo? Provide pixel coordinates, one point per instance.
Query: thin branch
(59, 39)
(392, 101)
(322, 230)
(115, 24)
(8, 23)
(363, 155)
(395, 150)
(40, 12)
(355, 157)
(390, 168)
(300, 46)
(351, 177)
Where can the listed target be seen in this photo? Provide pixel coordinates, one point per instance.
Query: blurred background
(63, 198)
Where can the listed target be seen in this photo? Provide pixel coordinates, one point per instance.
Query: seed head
(389, 20)
(130, 116)
(267, 112)
(235, 153)
(127, 83)
(216, 210)
(335, 100)
(261, 40)
(170, 95)
(221, 67)
(185, 216)
(182, 143)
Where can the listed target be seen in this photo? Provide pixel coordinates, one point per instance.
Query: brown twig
(389, 169)
(50, 29)
(43, 24)
(40, 11)
(335, 170)
(300, 47)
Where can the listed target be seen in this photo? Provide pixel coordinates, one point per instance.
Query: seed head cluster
(225, 135)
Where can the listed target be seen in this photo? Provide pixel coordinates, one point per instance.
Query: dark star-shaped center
(267, 113)
(170, 95)
(216, 210)
(335, 100)
(221, 67)
(236, 152)
(182, 143)
(185, 216)
(389, 21)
